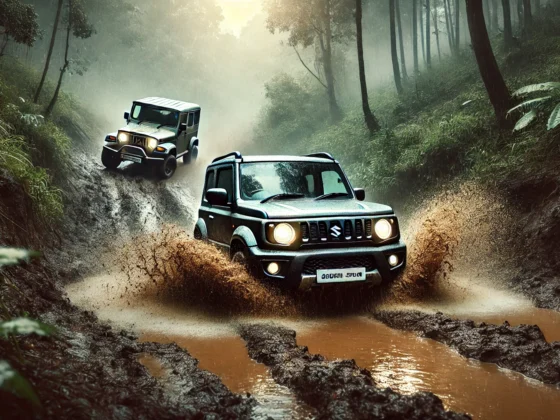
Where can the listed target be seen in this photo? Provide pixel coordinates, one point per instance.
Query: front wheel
(243, 258)
(110, 160)
(168, 167)
(191, 157)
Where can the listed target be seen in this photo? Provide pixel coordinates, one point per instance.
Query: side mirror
(127, 116)
(217, 197)
(360, 194)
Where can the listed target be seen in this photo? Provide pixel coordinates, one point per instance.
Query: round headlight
(284, 234)
(151, 144)
(123, 137)
(383, 229)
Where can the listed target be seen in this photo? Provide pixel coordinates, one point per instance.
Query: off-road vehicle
(296, 221)
(159, 131)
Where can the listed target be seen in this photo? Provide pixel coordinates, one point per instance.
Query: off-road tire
(241, 256)
(109, 160)
(168, 167)
(191, 157)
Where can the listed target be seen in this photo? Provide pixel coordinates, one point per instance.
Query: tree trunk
(508, 31)
(489, 71)
(527, 15)
(421, 13)
(447, 26)
(4, 44)
(457, 25)
(428, 36)
(401, 41)
(370, 119)
(394, 56)
(451, 24)
(415, 36)
(327, 64)
(436, 29)
(49, 54)
(487, 15)
(50, 108)
(520, 15)
(537, 7)
(495, 23)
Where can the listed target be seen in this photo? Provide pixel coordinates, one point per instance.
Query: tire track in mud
(338, 389)
(522, 348)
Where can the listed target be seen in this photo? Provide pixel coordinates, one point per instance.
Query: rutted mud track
(338, 389)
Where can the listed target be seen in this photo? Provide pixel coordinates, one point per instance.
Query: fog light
(273, 268)
(393, 260)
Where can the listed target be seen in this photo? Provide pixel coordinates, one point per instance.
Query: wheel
(191, 157)
(242, 257)
(110, 160)
(168, 167)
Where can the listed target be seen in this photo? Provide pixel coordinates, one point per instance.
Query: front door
(222, 227)
(182, 139)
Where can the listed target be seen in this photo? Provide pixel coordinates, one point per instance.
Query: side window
(209, 183)
(136, 111)
(184, 118)
(197, 117)
(191, 119)
(225, 181)
(332, 183)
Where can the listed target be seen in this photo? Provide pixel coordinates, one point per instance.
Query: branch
(308, 69)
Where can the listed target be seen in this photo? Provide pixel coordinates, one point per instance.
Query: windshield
(159, 116)
(265, 179)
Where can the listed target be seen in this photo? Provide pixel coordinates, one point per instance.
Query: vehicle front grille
(138, 141)
(313, 264)
(304, 232)
(314, 231)
(323, 231)
(337, 231)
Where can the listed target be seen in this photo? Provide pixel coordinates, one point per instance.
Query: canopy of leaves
(19, 21)
(81, 27)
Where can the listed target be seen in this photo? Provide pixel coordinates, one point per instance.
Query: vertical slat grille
(368, 228)
(304, 232)
(359, 229)
(323, 231)
(314, 231)
(347, 229)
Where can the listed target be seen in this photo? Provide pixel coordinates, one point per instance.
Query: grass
(442, 127)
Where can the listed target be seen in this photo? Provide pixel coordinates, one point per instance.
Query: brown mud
(522, 348)
(338, 389)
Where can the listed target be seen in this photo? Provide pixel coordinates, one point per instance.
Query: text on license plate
(132, 158)
(341, 275)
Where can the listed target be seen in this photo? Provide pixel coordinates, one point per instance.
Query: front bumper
(133, 153)
(298, 268)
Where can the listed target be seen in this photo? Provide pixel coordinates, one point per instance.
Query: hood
(150, 130)
(296, 209)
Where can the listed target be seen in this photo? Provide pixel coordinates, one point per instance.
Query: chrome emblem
(336, 231)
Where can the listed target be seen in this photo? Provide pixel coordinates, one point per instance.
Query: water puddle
(409, 364)
(227, 357)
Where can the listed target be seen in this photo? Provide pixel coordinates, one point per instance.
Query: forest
(446, 110)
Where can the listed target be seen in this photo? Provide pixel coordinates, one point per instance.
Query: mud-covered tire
(168, 167)
(191, 157)
(242, 257)
(110, 160)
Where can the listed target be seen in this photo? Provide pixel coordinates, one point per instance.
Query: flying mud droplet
(172, 267)
(467, 230)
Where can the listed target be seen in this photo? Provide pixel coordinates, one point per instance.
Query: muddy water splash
(171, 267)
(463, 230)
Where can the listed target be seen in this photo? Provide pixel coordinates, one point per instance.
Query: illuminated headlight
(393, 260)
(123, 138)
(151, 144)
(273, 268)
(383, 229)
(284, 234)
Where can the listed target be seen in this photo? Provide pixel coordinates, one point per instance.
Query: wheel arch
(201, 227)
(242, 237)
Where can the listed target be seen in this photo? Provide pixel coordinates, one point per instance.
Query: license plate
(342, 275)
(135, 159)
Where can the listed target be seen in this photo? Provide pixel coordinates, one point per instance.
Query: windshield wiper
(331, 195)
(283, 196)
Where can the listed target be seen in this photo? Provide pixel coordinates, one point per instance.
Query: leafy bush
(533, 108)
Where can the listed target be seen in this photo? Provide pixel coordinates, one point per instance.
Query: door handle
(211, 217)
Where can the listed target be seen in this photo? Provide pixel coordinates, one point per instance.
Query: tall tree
(487, 16)
(527, 15)
(448, 26)
(457, 25)
(370, 119)
(495, 85)
(428, 36)
(436, 29)
(520, 15)
(421, 14)
(508, 31)
(49, 53)
(494, 7)
(79, 26)
(19, 22)
(394, 54)
(318, 23)
(401, 41)
(415, 36)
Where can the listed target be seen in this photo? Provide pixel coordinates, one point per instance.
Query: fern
(531, 107)
(540, 87)
(531, 104)
(554, 120)
(525, 120)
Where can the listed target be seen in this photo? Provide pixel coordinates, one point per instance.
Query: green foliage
(14, 256)
(19, 21)
(25, 326)
(11, 381)
(534, 107)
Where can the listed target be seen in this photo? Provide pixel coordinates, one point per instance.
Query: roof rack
(323, 155)
(237, 155)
